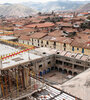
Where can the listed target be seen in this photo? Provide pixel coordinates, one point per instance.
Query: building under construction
(22, 68)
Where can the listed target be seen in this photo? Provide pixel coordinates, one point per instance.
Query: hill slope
(84, 8)
(16, 10)
(55, 5)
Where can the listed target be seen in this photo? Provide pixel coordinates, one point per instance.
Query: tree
(88, 17)
(39, 13)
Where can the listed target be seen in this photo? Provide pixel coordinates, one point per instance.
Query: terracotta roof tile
(84, 13)
(24, 31)
(58, 39)
(70, 30)
(40, 25)
(86, 31)
(38, 35)
(64, 24)
(56, 33)
(24, 37)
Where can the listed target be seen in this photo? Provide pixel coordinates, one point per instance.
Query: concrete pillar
(23, 82)
(1, 64)
(72, 66)
(62, 64)
(26, 76)
(0, 85)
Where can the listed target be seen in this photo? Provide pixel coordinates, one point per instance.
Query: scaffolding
(17, 82)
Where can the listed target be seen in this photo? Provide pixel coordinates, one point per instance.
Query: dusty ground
(56, 77)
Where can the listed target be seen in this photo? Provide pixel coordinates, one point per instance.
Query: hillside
(84, 8)
(55, 5)
(15, 10)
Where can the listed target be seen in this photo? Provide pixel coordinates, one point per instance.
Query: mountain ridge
(15, 10)
(55, 5)
(84, 8)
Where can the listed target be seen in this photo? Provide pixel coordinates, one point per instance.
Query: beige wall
(59, 46)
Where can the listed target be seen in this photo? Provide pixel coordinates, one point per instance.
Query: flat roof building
(20, 66)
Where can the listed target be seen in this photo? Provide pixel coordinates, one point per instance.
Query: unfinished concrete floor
(55, 77)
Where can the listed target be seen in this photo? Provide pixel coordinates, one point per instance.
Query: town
(45, 57)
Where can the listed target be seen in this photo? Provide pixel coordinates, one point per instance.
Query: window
(78, 62)
(47, 42)
(68, 59)
(40, 66)
(64, 45)
(38, 41)
(41, 41)
(82, 50)
(49, 62)
(31, 64)
(64, 49)
(54, 43)
(72, 48)
(77, 48)
(88, 64)
(58, 62)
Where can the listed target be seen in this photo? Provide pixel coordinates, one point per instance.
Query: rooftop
(38, 35)
(6, 49)
(51, 93)
(22, 57)
(79, 86)
(74, 55)
(16, 59)
(58, 39)
(40, 25)
(8, 37)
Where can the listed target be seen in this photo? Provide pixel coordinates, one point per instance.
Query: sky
(19, 1)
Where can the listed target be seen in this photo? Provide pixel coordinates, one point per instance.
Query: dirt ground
(56, 77)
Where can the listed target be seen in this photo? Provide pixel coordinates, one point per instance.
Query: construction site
(29, 73)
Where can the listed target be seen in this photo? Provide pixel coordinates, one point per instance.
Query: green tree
(88, 17)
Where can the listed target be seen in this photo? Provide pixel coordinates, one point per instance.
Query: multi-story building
(17, 65)
(60, 35)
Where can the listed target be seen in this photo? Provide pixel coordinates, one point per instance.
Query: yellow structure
(52, 42)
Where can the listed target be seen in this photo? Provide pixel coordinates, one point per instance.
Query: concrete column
(23, 82)
(0, 85)
(62, 64)
(72, 66)
(26, 76)
(1, 63)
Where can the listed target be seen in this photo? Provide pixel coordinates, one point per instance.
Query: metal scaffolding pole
(2, 87)
(16, 76)
(6, 85)
(10, 83)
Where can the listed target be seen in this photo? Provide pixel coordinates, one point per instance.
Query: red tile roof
(81, 42)
(24, 31)
(64, 24)
(84, 13)
(86, 31)
(56, 33)
(38, 35)
(24, 37)
(40, 25)
(70, 30)
(58, 39)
